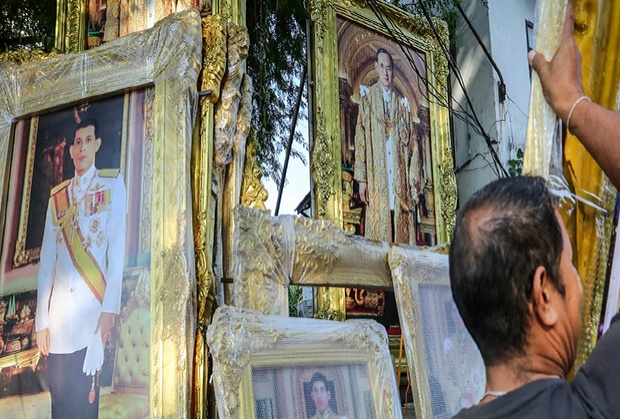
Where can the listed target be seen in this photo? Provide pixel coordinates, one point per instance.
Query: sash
(83, 260)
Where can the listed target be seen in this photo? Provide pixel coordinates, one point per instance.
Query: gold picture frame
(271, 253)
(348, 36)
(269, 364)
(167, 59)
(445, 365)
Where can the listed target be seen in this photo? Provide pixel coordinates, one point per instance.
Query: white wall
(502, 28)
(509, 50)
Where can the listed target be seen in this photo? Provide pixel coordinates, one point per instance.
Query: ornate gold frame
(169, 58)
(325, 147)
(243, 339)
(270, 253)
(411, 271)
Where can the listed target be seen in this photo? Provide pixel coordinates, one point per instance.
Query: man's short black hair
(87, 122)
(384, 51)
(317, 376)
(502, 235)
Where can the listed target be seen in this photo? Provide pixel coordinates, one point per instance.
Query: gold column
(70, 25)
(214, 62)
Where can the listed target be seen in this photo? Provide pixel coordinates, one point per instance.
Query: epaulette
(60, 187)
(110, 173)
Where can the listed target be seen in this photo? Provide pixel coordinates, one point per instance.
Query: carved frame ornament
(167, 57)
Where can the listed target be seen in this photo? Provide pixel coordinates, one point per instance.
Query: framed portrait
(381, 154)
(278, 367)
(96, 239)
(444, 362)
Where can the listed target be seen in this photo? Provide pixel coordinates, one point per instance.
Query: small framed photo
(444, 362)
(94, 200)
(270, 367)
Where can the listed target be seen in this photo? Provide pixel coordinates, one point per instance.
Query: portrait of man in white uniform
(80, 276)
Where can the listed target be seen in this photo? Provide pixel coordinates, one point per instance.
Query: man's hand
(43, 341)
(363, 188)
(105, 323)
(561, 77)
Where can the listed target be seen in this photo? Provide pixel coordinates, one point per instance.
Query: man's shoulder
(60, 187)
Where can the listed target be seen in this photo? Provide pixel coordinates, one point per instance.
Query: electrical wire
(469, 118)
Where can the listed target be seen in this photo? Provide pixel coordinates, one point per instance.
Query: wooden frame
(168, 58)
(267, 363)
(444, 362)
(347, 38)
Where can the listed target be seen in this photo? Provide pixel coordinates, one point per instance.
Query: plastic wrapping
(272, 252)
(294, 368)
(588, 199)
(544, 139)
(445, 364)
(148, 81)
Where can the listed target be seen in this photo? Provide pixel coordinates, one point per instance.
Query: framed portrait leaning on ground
(96, 227)
(444, 362)
(297, 368)
(381, 154)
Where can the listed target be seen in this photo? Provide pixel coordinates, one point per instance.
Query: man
(321, 397)
(519, 295)
(80, 276)
(387, 162)
(513, 280)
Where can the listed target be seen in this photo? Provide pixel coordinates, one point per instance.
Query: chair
(129, 394)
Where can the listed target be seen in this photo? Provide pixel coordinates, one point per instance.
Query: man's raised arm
(597, 128)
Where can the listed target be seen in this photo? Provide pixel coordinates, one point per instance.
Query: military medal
(94, 225)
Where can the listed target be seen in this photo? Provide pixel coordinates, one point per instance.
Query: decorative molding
(214, 55)
(23, 56)
(253, 192)
(228, 107)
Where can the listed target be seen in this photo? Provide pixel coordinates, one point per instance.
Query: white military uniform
(72, 312)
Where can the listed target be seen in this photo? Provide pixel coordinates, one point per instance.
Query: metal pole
(289, 145)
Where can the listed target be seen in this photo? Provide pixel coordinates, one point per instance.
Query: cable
(469, 118)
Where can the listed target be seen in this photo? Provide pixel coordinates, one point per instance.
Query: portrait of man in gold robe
(385, 137)
(385, 144)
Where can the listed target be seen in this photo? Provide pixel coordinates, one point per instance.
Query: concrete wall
(502, 28)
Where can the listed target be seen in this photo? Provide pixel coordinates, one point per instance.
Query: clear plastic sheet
(294, 368)
(154, 135)
(544, 138)
(272, 252)
(445, 364)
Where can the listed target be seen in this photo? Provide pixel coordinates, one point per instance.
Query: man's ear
(543, 297)
(71, 151)
(98, 144)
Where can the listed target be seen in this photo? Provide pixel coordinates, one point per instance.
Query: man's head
(510, 266)
(320, 394)
(384, 65)
(86, 143)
